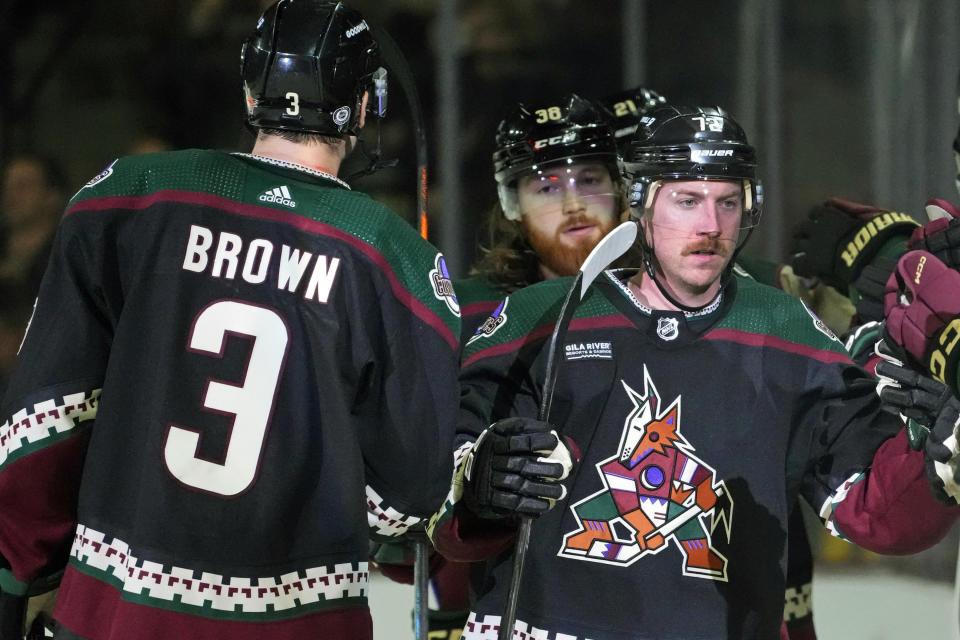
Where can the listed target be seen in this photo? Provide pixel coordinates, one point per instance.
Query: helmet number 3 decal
(294, 98)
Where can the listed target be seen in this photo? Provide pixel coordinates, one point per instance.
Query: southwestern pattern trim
(94, 550)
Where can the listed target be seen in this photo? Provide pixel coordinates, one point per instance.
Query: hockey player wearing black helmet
(270, 359)
(698, 425)
(558, 183)
(695, 168)
(559, 192)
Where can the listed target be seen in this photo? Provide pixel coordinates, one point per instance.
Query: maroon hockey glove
(922, 307)
(932, 404)
(839, 238)
(940, 236)
(516, 468)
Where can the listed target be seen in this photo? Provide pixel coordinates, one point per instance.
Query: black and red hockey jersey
(697, 435)
(235, 372)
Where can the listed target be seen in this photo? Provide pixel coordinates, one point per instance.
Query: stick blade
(612, 246)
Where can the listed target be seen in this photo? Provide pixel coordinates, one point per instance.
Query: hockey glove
(922, 307)
(869, 289)
(940, 236)
(516, 467)
(934, 405)
(839, 238)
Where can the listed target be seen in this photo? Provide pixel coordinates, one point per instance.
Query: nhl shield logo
(668, 328)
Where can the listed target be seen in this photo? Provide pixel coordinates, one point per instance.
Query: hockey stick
(612, 246)
(400, 68)
(421, 581)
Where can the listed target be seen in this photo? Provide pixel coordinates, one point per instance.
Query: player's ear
(363, 108)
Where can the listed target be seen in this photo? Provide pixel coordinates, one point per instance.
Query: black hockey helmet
(306, 67)
(691, 143)
(625, 108)
(533, 137)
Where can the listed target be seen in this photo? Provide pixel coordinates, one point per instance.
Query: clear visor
(566, 188)
(742, 204)
(377, 104)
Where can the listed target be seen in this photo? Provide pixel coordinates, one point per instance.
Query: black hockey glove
(516, 468)
(868, 290)
(932, 405)
(839, 238)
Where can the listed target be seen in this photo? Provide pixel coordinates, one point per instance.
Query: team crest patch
(443, 285)
(654, 491)
(490, 326)
(100, 177)
(668, 328)
(820, 324)
(588, 351)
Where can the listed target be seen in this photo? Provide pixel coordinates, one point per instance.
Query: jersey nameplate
(220, 254)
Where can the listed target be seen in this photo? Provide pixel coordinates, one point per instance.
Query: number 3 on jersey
(251, 403)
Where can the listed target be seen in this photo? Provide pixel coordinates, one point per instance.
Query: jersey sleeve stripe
(763, 340)
(407, 298)
(485, 307)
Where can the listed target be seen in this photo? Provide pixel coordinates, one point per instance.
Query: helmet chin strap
(650, 266)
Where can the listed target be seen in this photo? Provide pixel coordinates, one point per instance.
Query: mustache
(720, 246)
(580, 220)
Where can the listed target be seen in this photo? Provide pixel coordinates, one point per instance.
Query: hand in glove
(516, 467)
(868, 290)
(932, 404)
(922, 308)
(940, 236)
(839, 238)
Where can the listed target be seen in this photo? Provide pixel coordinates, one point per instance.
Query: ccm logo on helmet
(352, 31)
(570, 136)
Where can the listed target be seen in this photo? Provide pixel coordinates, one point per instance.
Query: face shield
(745, 204)
(377, 102)
(568, 186)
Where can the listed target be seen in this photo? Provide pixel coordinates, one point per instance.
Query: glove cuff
(943, 359)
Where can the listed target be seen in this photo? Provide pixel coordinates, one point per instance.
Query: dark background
(840, 96)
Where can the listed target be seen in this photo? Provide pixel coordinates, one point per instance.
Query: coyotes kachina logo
(655, 491)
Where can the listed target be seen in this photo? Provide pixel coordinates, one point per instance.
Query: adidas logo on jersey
(280, 195)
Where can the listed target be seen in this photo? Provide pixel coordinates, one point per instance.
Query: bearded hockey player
(700, 406)
(559, 190)
(238, 369)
